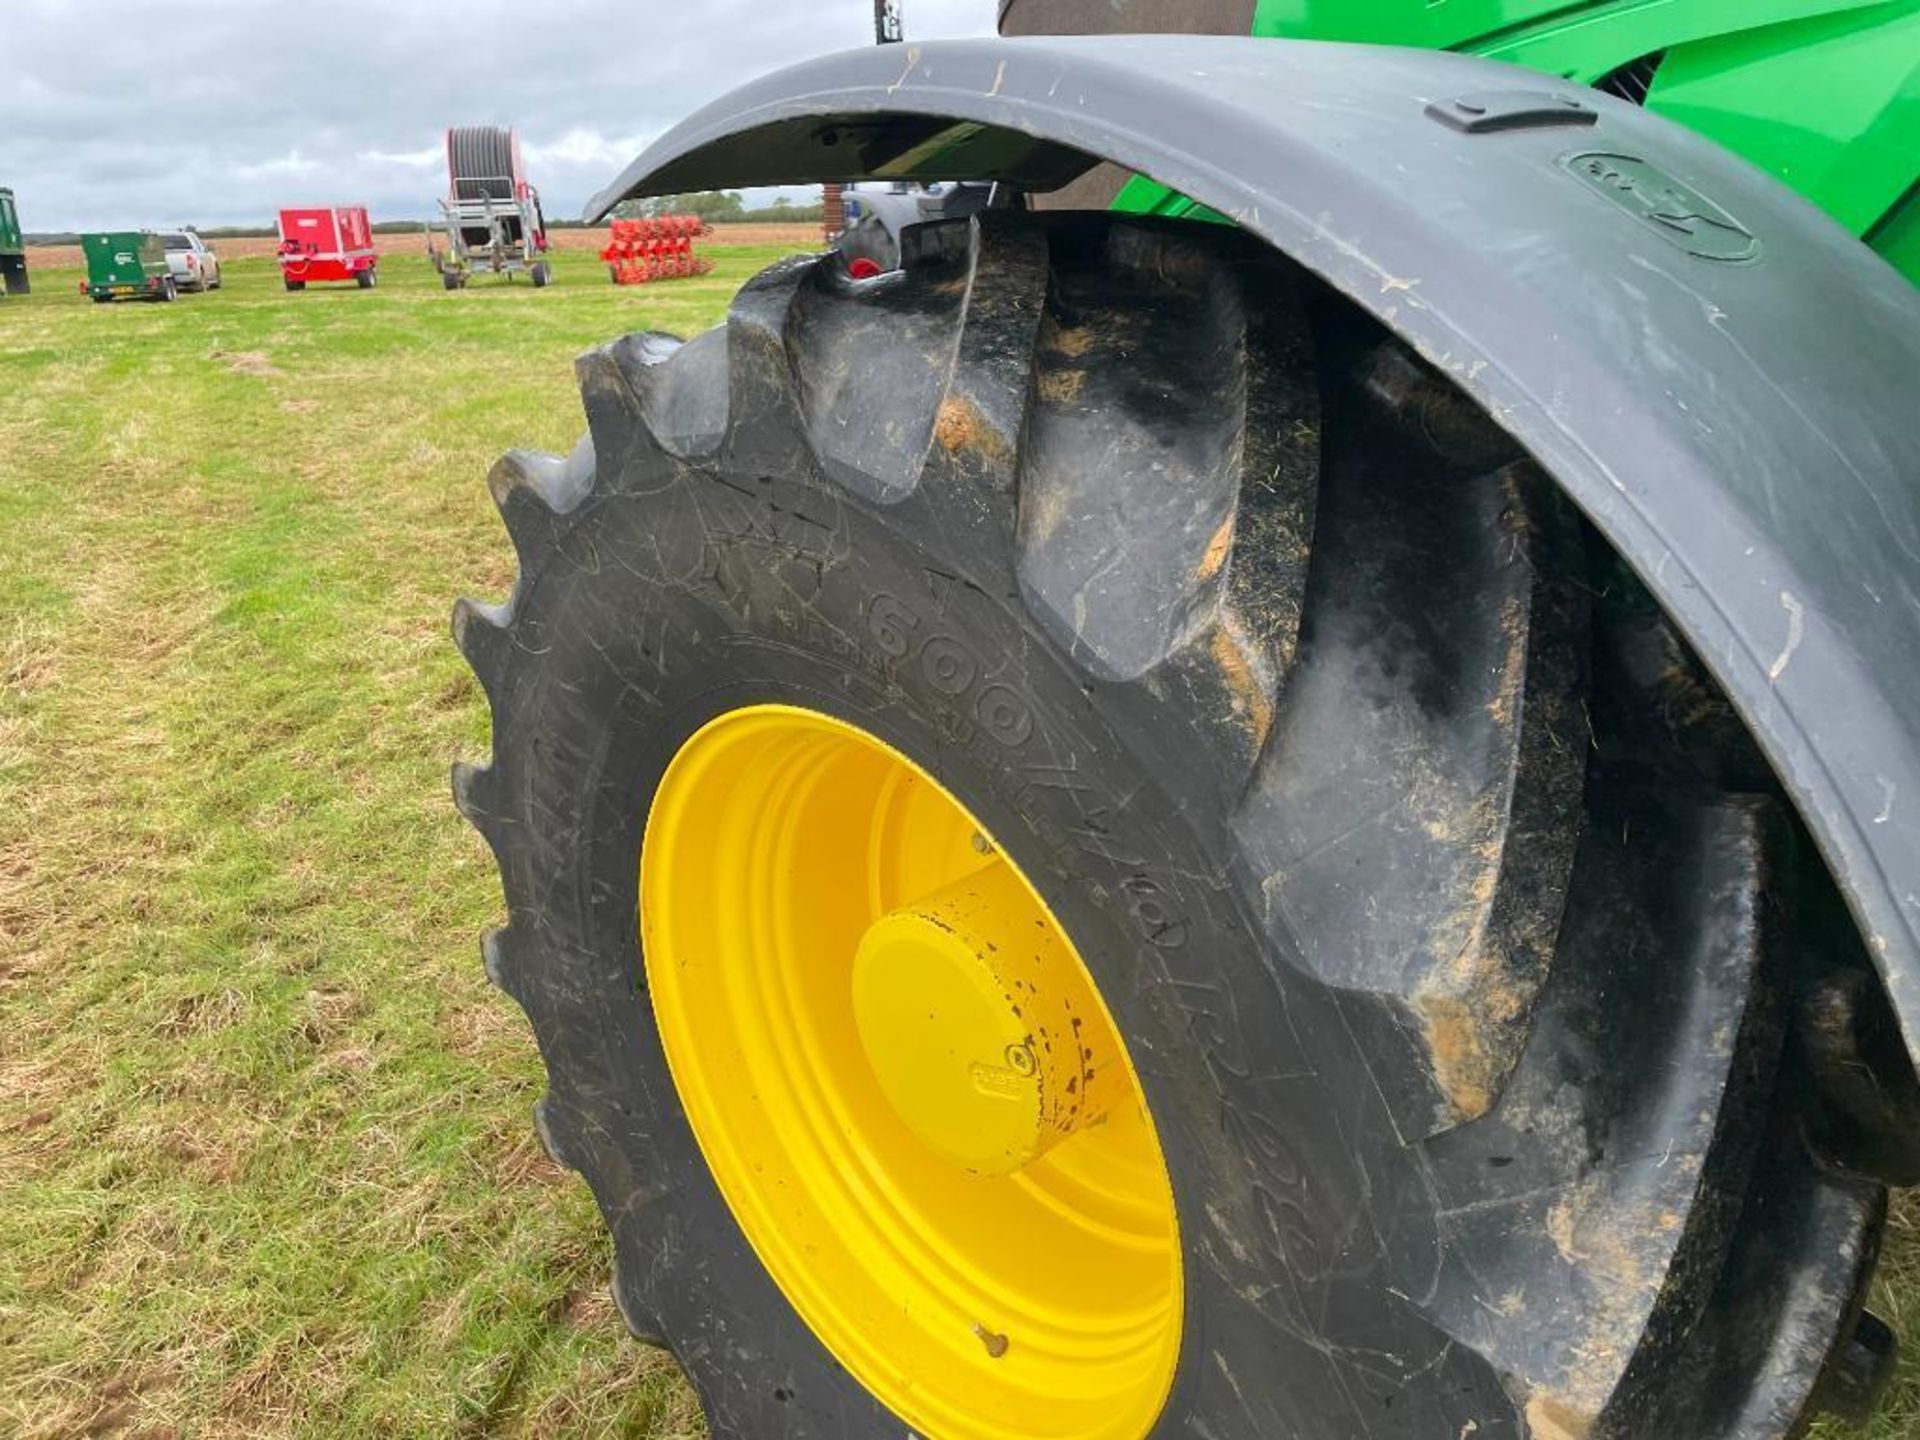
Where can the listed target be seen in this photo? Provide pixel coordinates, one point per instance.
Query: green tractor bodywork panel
(13, 248)
(1822, 94)
(124, 262)
(10, 238)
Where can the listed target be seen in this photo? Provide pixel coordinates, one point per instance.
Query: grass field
(266, 1163)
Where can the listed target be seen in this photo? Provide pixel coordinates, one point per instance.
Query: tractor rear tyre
(1093, 852)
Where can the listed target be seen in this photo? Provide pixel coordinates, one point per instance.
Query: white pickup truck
(192, 264)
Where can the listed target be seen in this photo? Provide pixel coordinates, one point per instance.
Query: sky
(217, 112)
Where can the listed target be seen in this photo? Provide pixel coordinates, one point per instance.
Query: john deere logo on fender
(1678, 213)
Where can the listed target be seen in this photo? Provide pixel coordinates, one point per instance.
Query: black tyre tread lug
(1587, 1220)
(532, 490)
(624, 386)
(641, 1324)
(1534, 870)
(1665, 711)
(1225, 682)
(1804, 1254)
(1428, 728)
(537, 495)
(765, 430)
(476, 796)
(1221, 684)
(548, 1124)
(978, 428)
(1867, 1119)
(496, 958)
(1141, 370)
(1410, 391)
(871, 362)
(483, 632)
(1279, 489)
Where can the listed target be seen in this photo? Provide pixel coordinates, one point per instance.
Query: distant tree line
(721, 207)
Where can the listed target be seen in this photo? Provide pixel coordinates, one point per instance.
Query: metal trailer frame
(1721, 377)
(502, 252)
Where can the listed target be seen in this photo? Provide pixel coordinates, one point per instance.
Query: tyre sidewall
(641, 624)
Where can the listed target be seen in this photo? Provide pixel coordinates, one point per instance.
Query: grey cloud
(249, 104)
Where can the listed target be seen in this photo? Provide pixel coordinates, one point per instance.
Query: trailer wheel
(365, 279)
(1092, 851)
(451, 279)
(540, 274)
(169, 292)
(293, 284)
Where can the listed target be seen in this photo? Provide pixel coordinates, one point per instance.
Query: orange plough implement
(656, 248)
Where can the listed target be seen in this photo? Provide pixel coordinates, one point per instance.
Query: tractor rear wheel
(1093, 852)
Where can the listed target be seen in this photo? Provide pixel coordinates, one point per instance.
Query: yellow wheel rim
(907, 1086)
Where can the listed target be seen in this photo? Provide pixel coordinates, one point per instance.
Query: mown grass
(266, 1165)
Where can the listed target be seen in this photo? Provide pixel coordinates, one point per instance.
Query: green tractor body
(1824, 95)
(13, 248)
(126, 264)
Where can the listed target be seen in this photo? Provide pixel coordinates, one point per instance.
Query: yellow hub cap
(970, 1007)
(906, 1085)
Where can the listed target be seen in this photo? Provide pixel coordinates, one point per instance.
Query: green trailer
(13, 248)
(126, 264)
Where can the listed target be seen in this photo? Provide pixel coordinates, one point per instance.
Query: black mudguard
(1725, 381)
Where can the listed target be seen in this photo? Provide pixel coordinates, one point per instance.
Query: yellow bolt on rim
(907, 1086)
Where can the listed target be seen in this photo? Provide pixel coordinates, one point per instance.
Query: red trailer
(327, 242)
